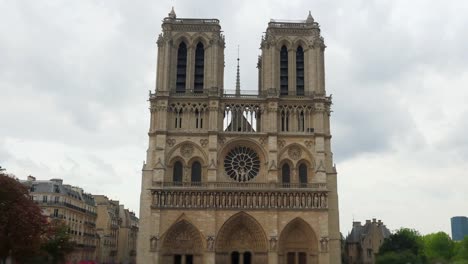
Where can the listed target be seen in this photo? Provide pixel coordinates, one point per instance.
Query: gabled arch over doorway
(241, 238)
(298, 243)
(182, 243)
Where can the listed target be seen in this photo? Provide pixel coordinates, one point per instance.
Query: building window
(56, 199)
(199, 68)
(300, 122)
(285, 174)
(55, 212)
(303, 174)
(299, 71)
(181, 68)
(284, 71)
(177, 172)
(44, 198)
(284, 121)
(196, 173)
(198, 119)
(178, 118)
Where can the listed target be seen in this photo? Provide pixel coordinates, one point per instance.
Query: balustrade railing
(230, 93)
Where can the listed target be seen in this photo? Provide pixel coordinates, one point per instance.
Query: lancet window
(285, 174)
(242, 117)
(284, 70)
(199, 68)
(177, 172)
(188, 115)
(296, 118)
(299, 71)
(181, 68)
(196, 172)
(303, 174)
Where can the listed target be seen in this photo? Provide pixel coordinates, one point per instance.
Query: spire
(310, 19)
(238, 74)
(172, 14)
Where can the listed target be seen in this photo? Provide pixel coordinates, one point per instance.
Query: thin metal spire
(238, 74)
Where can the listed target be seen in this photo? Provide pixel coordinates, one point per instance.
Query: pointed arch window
(284, 71)
(299, 71)
(178, 118)
(285, 175)
(181, 68)
(199, 68)
(198, 119)
(177, 173)
(196, 173)
(303, 175)
(284, 121)
(300, 121)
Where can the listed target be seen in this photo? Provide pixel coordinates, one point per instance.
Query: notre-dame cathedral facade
(235, 176)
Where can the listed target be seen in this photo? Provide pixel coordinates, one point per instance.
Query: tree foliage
(21, 220)
(438, 247)
(461, 251)
(404, 246)
(57, 242)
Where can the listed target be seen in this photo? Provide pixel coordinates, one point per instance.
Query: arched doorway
(298, 244)
(241, 240)
(182, 243)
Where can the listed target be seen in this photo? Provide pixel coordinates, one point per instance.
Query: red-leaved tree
(21, 221)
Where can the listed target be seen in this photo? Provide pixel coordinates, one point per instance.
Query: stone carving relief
(309, 143)
(170, 142)
(212, 164)
(204, 142)
(295, 152)
(281, 143)
(263, 141)
(221, 140)
(186, 150)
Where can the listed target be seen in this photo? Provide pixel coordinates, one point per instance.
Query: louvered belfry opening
(299, 71)
(181, 68)
(199, 68)
(284, 70)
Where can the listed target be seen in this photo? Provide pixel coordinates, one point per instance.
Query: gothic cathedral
(239, 176)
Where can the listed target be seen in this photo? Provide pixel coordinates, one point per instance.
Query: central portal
(241, 240)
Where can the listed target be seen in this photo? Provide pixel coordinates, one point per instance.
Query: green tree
(438, 247)
(461, 250)
(57, 242)
(404, 246)
(21, 221)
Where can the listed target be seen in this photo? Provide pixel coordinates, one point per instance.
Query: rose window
(242, 164)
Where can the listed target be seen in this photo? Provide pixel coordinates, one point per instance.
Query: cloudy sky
(75, 75)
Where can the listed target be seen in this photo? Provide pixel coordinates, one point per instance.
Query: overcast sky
(75, 75)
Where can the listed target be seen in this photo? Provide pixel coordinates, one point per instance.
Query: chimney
(31, 178)
(368, 221)
(374, 220)
(379, 222)
(356, 224)
(59, 181)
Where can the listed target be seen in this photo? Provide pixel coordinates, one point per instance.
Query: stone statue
(210, 243)
(154, 243)
(324, 244)
(273, 241)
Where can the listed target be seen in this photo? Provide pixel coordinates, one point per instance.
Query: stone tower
(239, 177)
